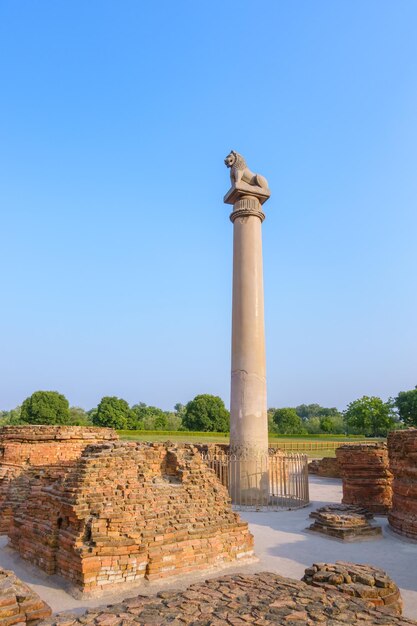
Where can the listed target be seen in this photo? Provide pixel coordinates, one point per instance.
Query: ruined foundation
(366, 475)
(402, 447)
(127, 511)
(50, 451)
(345, 522)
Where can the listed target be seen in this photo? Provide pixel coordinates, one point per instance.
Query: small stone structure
(328, 467)
(127, 511)
(402, 447)
(48, 450)
(360, 581)
(366, 475)
(345, 522)
(262, 599)
(19, 604)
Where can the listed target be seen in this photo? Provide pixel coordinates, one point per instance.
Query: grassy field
(315, 447)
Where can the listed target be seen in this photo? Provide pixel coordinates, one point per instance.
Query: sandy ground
(282, 546)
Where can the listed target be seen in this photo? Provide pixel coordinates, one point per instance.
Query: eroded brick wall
(327, 467)
(367, 479)
(47, 450)
(402, 447)
(129, 510)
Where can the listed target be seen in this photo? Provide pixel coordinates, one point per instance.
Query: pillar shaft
(248, 406)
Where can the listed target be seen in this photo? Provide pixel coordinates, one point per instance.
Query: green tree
(112, 412)
(179, 409)
(206, 413)
(11, 417)
(406, 403)
(307, 411)
(174, 421)
(272, 427)
(79, 417)
(45, 407)
(370, 416)
(312, 426)
(145, 417)
(288, 422)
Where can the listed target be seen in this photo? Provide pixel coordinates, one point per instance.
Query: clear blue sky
(116, 247)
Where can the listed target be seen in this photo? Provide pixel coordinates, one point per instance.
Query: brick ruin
(122, 512)
(366, 475)
(47, 451)
(402, 446)
(327, 467)
(358, 581)
(19, 604)
(345, 522)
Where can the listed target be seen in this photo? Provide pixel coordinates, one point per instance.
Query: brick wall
(126, 511)
(366, 475)
(52, 450)
(402, 447)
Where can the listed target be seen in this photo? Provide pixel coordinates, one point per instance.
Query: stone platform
(344, 522)
(359, 581)
(262, 599)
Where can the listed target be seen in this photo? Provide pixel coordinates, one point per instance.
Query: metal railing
(311, 446)
(270, 482)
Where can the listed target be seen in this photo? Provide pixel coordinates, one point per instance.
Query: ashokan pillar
(248, 406)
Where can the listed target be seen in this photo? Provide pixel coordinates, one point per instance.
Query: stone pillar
(248, 406)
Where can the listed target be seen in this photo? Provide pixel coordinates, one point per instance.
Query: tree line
(368, 415)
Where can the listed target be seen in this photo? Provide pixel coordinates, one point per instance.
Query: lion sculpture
(239, 171)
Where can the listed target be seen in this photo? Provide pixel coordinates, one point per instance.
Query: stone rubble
(360, 581)
(19, 604)
(402, 447)
(366, 476)
(262, 599)
(345, 522)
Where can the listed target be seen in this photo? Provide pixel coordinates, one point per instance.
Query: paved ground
(282, 546)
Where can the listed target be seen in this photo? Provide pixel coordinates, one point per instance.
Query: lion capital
(239, 171)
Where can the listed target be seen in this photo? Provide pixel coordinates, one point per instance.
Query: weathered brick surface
(19, 604)
(402, 447)
(126, 511)
(327, 467)
(260, 600)
(345, 522)
(367, 479)
(360, 581)
(50, 449)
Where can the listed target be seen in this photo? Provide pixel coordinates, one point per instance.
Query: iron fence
(270, 482)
